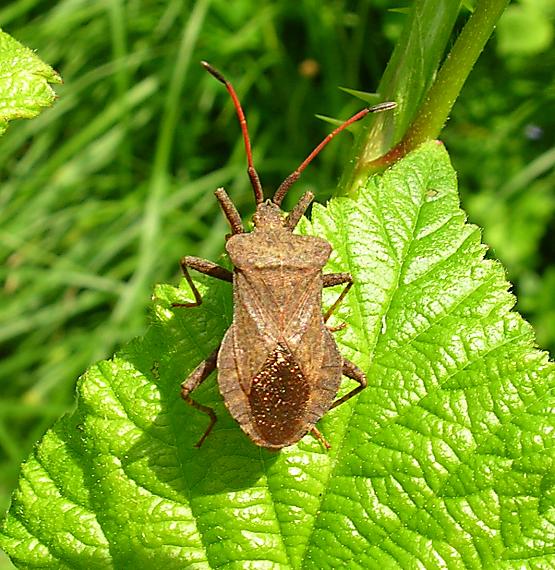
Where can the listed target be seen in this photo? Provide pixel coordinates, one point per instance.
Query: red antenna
(294, 176)
(253, 175)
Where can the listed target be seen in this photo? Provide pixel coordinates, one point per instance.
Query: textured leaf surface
(24, 82)
(445, 461)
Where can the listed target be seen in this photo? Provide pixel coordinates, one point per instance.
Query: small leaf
(370, 98)
(330, 120)
(24, 82)
(337, 122)
(445, 461)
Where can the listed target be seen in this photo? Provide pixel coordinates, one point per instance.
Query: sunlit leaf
(444, 461)
(24, 82)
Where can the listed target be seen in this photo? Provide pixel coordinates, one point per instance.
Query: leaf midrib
(366, 334)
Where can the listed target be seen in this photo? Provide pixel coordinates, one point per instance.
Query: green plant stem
(408, 76)
(434, 111)
(451, 77)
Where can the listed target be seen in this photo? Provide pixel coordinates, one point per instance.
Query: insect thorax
(266, 249)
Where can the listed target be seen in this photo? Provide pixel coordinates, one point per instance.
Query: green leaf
(24, 82)
(444, 461)
(370, 98)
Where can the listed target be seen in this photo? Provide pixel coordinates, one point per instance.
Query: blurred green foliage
(501, 141)
(103, 193)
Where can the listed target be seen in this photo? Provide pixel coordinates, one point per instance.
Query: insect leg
(318, 435)
(336, 328)
(230, 211)
(351, 371)
(202, 266)
(297, 212)
(332, 279)
(197, 377)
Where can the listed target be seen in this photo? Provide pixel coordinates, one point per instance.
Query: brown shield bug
(279, 369)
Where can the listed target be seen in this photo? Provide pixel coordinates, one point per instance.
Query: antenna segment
(253, 175)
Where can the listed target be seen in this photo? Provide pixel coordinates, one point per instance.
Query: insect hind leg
(195, 379)
(315, 432)
(352, 371)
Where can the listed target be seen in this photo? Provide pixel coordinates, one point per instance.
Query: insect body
(279, 368)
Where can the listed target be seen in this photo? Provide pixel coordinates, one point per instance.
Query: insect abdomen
(279, 397)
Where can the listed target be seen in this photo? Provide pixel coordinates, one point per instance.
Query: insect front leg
(202, 266)
(195, 379)
(351, 371)
(332, 279)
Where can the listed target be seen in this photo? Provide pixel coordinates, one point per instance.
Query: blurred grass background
(103, 193)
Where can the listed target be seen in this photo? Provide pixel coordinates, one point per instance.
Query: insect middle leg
(195, 379)
(349, 369)
(202, 266)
